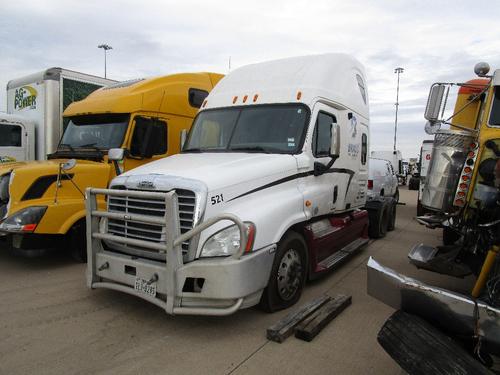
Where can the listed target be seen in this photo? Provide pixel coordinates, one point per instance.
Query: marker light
(308, 203)
(459, 202)
(204, 103)
(471, 154)
(245, 98)
(235, 99)
(299, 95)
(467, 170)
(255, 97)
(465, 178)
(463, 186)
(461, 194)
(370, 184)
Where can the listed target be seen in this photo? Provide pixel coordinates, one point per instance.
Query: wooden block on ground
(310, 327)
(282, 329)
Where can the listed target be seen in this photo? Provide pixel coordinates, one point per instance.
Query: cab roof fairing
(331, 77)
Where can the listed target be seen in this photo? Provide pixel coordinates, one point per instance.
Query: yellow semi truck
(114, 129)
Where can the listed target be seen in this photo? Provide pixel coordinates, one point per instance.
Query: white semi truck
(38, 101)
(269, 190)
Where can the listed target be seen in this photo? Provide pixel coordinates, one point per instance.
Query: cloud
(433, 41)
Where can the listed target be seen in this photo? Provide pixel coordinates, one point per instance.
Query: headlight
(25, 220)
(227, 241)
(4, 188)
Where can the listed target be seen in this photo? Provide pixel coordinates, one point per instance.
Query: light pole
(398, 71)
(105, 47)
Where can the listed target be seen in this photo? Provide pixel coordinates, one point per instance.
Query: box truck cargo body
(41, 98)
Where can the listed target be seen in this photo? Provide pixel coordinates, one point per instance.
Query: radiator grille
(150, 207)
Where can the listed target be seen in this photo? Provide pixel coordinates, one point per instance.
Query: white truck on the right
(269, 190)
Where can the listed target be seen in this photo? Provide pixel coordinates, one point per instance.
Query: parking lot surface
(50, 323)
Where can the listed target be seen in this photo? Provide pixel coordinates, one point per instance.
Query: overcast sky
(432, 40)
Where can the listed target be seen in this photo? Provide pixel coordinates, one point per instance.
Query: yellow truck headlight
(25, 220)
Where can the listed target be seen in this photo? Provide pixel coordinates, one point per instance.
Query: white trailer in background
(41, 98)
(396, 159)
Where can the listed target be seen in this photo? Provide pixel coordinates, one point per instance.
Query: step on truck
(268, 191)
(113, 130)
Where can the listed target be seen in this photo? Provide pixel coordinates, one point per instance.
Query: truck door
(13, 142)
(327, 186)
(149, 141)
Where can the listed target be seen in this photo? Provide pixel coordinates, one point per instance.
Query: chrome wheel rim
(289, 274)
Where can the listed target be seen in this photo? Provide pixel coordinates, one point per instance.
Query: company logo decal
(25, 97)
(354, 123)
(145, 185)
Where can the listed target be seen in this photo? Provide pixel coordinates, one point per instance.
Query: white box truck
(269, 190)
(41, 99)
(17, 138)
(396, 159)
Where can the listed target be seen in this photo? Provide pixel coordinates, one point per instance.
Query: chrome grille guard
(171, 246)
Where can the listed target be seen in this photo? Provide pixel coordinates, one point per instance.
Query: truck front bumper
(215, 286)
(205, 286)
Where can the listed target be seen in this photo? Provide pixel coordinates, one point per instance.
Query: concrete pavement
(50, 323)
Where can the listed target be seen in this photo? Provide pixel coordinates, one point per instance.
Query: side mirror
(70, 164)
(116, 154)
(434, 102)
(335, 140)
(183, 138)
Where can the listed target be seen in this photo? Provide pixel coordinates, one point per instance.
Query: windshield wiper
(67, 145)
(91, 145)
(251, 149)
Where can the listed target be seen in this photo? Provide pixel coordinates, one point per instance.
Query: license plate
(142, 286)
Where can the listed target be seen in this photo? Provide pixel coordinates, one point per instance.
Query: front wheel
(288, 274)
(77, 242)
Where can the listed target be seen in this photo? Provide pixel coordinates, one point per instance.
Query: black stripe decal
(296, 176)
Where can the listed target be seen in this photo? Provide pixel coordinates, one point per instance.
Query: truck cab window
(323, 134)
(196, 97)
(364, 148)
(150, 137)
(10, 136)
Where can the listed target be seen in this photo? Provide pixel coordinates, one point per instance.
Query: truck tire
(288, 274)
(77, 241)
(421, 349)
(391, 223)
(396, 195)
(449, 236)
(378, 213)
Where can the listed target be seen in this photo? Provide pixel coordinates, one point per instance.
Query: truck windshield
(267, 128)
(95, 131)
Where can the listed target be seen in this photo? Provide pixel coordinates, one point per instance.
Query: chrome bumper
(451, 311)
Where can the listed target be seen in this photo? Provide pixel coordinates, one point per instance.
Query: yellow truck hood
(34, 183)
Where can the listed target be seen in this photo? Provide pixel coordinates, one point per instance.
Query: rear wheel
(396, 195)
(77, 242)
(288, 274)
(391, 223)
(378, 213)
